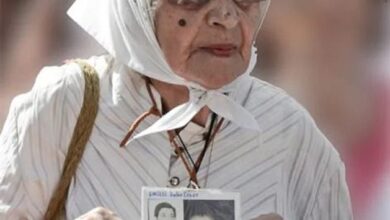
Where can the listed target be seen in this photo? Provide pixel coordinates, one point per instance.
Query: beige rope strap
(80, 137)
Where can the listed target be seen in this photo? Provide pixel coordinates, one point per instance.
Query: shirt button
(174, 181)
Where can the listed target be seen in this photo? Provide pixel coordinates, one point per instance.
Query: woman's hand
(99, 213)
(271, 216)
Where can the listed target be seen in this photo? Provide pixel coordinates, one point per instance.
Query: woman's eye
(190, 4)
(245, 4)
(196, 4)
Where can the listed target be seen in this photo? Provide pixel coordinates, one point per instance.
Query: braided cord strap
(80, 137)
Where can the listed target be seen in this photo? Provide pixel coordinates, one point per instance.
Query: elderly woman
(178, 76)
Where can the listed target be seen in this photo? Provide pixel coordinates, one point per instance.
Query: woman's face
(213, 46)
(166, 214)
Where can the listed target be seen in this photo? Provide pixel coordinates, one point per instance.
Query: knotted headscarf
(125, 28)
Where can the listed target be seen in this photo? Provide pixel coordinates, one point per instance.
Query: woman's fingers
(271, 216)
(99, 213)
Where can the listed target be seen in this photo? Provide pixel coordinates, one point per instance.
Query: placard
(189, 204)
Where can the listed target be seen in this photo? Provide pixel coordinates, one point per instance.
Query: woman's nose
(224, 14)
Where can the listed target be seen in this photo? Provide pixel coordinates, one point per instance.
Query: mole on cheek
(182, 22)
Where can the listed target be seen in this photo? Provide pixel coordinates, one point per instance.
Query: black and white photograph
(164, 210)
(209, 210)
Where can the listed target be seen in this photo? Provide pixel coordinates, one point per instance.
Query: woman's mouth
(220, 50)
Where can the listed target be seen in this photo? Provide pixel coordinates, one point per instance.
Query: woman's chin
(213, 73)
(216, 80)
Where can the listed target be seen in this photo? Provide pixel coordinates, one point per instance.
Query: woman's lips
(220, 50)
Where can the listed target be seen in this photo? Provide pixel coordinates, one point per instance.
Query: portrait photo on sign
(161, 209)
(209, 210)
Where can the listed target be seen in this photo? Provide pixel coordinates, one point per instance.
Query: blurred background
(33, 34)
(333, 56)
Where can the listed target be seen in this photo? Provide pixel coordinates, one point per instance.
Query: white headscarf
(125, 28)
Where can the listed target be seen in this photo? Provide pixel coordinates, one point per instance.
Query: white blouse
(289, 168)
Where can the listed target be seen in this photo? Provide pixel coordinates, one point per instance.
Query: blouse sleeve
(328, 197)
(34, 141)
(332, 201)
(12, 189)
(317, 188)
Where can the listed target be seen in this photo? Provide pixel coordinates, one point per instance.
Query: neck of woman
(174, 95)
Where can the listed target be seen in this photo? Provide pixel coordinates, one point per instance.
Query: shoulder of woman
(271, 104)
(287, 124)
(54, 102)
(64, 83)
(69, 75)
